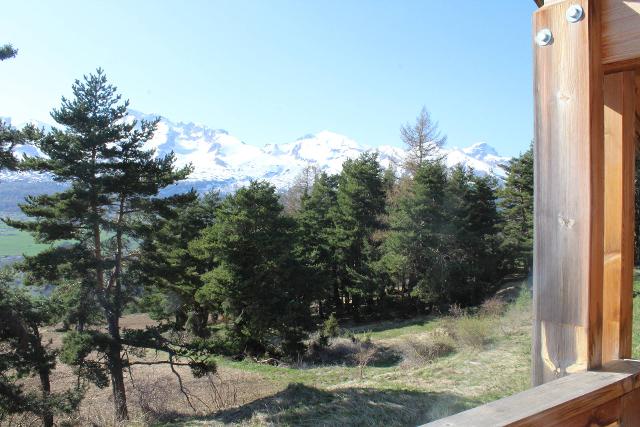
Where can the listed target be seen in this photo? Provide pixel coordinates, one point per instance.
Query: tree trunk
(181, 318)
(336, 298)
(116, 367)
(114, 310)
(45, 386)
(198, 322)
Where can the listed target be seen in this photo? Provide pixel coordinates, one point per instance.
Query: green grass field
(15, 242)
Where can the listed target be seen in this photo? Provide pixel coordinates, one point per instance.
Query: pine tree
(472, 241)
(422, 139)
(314, 247)
(419, 231)
(170, 274)
(9, 136)
(516, 206)
(7, 51)
(257, 283)
(23, 354)
(113, 190)
(361, 204)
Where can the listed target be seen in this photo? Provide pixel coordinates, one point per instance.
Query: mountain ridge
(223, 161)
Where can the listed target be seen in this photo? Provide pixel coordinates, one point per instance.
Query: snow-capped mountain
(481, 157)
(222, 161)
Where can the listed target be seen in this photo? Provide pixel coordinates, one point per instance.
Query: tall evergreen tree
(257, 283)
(114, 183)
(516, 207)
(472, 241)
(316, 227)
(170, 273)
(361, 204)
(419, 228)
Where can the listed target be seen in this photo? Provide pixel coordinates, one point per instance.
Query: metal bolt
(544, 37)
(575, 13)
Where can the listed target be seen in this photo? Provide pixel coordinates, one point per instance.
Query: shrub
(348, 351)
(366, 353)
(418, 351)
(517, 318)
(471, 331)
(153, 396)
(331, 328)
(493, 307)
(456, 311)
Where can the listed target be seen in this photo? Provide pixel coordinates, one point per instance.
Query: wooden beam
(620, 32)
(619, 165)
(637, 109)
(569, 178)
(591, 398)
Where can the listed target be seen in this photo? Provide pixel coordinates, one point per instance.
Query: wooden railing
(606, 397)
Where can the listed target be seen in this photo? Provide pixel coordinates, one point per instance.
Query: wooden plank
(569, 177)
(563, 402)
(607, 415)
(619, 152)
(620, 31)
(631, 409)
(637, 108)
(628, 65)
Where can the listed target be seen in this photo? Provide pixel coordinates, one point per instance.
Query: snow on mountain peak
(223, 161)
(480, 150)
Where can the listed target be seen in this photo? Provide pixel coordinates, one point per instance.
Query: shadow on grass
(386, 325)
(300, 405)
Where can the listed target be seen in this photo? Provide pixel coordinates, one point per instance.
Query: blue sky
(270, 71)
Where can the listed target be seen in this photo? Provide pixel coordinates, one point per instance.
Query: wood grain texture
(619, 152)
(630, 409)
(569, 177)
(637, 109)
(608, 414)
(585, 399)
(620, 30)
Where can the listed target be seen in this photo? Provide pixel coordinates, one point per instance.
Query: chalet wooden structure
(587, 109)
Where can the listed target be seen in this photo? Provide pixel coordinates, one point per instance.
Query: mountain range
(224, 162)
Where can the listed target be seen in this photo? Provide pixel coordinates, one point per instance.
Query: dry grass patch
(426, 348)
(419, 372)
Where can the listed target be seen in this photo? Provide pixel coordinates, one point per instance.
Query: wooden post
(619, 165)
(569, 194)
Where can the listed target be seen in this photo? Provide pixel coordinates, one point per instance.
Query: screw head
(575, 13)
(544, 37)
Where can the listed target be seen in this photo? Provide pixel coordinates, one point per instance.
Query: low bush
(493, 307)
(422, 350)
(347, 351)
(153, 397)
(331, 327)
(471, 331)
